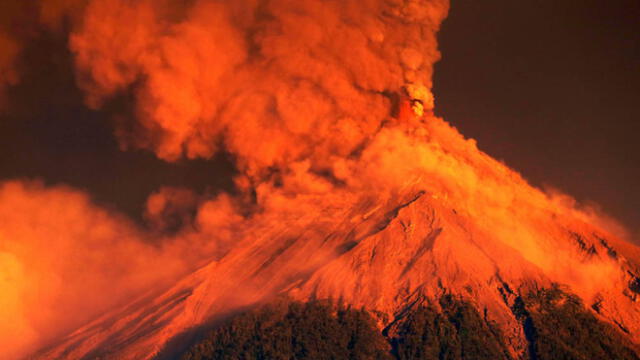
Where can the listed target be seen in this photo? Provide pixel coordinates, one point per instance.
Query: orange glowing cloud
(62, 260)
(315, 78)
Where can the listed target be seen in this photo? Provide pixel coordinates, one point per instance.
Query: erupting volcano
(348, 188)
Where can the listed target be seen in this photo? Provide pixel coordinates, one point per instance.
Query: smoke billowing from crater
(314, 78)
(293, 90)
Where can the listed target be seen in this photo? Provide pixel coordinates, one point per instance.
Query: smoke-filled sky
(190, 117)
(550, 87)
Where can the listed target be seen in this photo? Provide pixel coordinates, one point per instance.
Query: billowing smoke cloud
(271, 82)
(63, 259)
(171, 208)
(289, 88)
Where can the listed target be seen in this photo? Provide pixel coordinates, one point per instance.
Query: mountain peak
(392, 253)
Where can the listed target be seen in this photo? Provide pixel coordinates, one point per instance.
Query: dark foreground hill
(556, 324)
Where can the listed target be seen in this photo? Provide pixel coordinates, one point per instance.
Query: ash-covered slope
(460, 223)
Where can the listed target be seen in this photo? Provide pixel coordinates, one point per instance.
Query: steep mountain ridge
(392, 252)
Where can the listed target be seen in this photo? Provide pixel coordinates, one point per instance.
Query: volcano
(489, 238)
(348, 191)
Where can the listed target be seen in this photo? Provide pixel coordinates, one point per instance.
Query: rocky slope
(465, 225)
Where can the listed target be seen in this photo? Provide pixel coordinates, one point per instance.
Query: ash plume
(314, 78)
(62, 260)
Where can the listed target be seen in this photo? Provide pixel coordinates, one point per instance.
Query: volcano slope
(459, 224)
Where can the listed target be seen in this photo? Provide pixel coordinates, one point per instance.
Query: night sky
(50, 135)
(553, 89)
(550, 87)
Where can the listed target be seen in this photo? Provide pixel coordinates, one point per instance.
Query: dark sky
(550, 87)
(48, 134)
